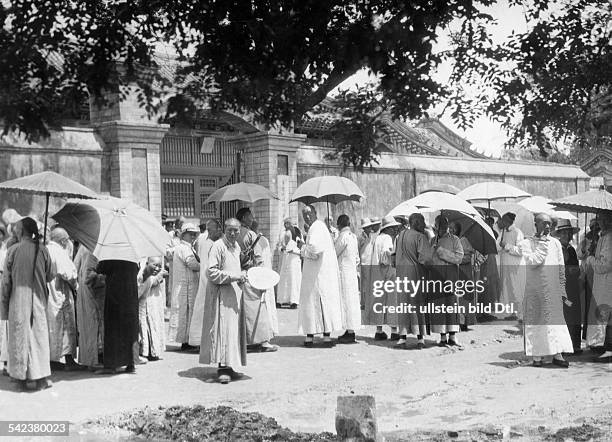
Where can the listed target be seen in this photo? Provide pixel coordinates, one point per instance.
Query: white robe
(546, 333)
(288, 288)
(151, 304)
(266, 255)
(320, 309)
(348, 260)
(60, 304)
(600, 318)
(3, 324)
(195, 328)
(185, 278)
(512, 270)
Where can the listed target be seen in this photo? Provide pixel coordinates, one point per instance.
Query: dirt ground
(487, 384)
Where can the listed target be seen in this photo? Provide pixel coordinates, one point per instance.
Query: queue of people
(58, 303)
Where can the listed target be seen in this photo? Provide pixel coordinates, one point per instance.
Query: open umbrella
(524, 220)
(540, 204)
(114, 229)
(247, 192)
(327, 189)
(448, 188)
(490, 191)
(49, 184)
(436, 201)
(588, 202)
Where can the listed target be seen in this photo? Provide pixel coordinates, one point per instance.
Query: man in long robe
(60, 305)
(599, 332)
(259, 327)
(185, 278)
(365, 256)
(412, 255)
(224, 329)
(320, 307)
(3, 324)
(27, 271)
(348, 259)
(213, 227)
(545, 332)
(572, 310)
(447, 256)
(151, 304)
(467, 272)
(288, 288)
(90, 308)
(511, 264)
(382, 269)
(120, 315)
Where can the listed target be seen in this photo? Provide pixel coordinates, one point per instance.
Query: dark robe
(120, 312)
(572, 313)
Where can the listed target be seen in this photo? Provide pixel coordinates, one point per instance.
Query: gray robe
(24, 298)
(224, 329)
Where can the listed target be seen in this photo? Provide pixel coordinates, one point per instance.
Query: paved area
(488, 382)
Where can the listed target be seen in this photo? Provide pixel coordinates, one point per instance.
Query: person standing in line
(27, 270)
(224, 326)
(572, 309)
(60, 305)
(511, 265)
(259, 327)
(382, 269)
(151, 309)
(413, 254)
(291, 271)
(320, 307)
(545, 331)
(213, 227)
(121, 347)
(186, 275)
(599, 333)
(447, 256)
(348, 259)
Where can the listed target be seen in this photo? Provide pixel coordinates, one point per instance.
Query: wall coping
(314, 155)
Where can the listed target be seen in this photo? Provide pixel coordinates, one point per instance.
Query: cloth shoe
(380, 336)
(347, 338)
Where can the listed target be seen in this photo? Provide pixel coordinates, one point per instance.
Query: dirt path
(486, 383)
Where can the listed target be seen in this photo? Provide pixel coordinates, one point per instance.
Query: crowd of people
(61, 308)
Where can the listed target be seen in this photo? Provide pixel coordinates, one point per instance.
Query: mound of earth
(198, 423)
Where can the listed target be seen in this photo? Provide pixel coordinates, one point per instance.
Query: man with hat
(511, 263)
(366, 245)
(185, 278)
(571, 303)
(382, 269)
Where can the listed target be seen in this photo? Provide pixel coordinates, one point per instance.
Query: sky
(486, 136)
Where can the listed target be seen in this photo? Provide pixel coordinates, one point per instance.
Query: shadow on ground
(206, 374)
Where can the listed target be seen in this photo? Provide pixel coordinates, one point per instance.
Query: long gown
(151, 304)
(185, 278)
(412, 254)
(512, 270)
(3, 323)
(224, 327)
(266, 256)
(446, 259)
(599, 330)
(288, 288)
(120, 313)
(466, 273)
(89, 307)
(380, 269)
(24, 298)
(256, 311)
(348, 259)
(365, 269)
(545, 329)
(60, 305)
(195, 327)
(320, 309)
